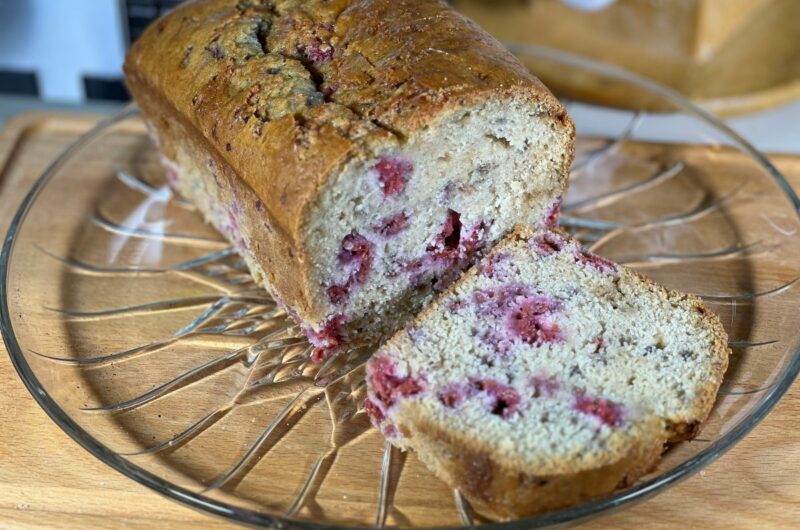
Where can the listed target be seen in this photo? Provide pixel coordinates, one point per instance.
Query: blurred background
(70, 50)
(736, 58)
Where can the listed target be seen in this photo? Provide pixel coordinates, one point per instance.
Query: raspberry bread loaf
(546, 376)
(358, 154)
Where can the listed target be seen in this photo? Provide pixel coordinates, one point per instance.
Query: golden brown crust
(506, 493)
(421, 57)
(275, 253)
(281, 94)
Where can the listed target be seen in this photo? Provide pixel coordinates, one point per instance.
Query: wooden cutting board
(48, 481)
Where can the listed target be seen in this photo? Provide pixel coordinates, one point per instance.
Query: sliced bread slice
(357, 154)
(546, 376)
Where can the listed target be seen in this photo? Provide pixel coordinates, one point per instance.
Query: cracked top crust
(288, 91)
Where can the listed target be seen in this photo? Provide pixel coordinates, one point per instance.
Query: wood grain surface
(48, 481)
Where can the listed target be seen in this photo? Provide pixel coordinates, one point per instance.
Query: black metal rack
(138, 14)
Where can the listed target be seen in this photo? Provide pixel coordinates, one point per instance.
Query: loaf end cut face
(358, 154)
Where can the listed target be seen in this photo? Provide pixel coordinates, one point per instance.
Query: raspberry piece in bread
(546, 376)
(358, 154)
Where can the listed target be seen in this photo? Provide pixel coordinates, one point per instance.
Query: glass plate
(141, 334)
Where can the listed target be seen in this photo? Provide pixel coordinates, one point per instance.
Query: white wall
(62, 40)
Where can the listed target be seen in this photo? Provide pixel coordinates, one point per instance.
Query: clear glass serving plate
(139, 331)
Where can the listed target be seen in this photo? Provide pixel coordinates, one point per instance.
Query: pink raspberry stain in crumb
(259, 206)
(493, 263)
(453, 395)
(387, 386)
(338, 294)
(497, 301)
(531, 321)
(455, 304)
(393, 225)
(599, 345)
(445, 245)
(378, 419)
(474, 239)
(605, 410)
(545, 243)
(318, 51)
(499, 341)
(544, 386)
(374, 411)
(593, 260)
(328, 340)
(551, 215)
(357, 253)
(393, 173)
(528, 317)
(504, 399)
(450, 250)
